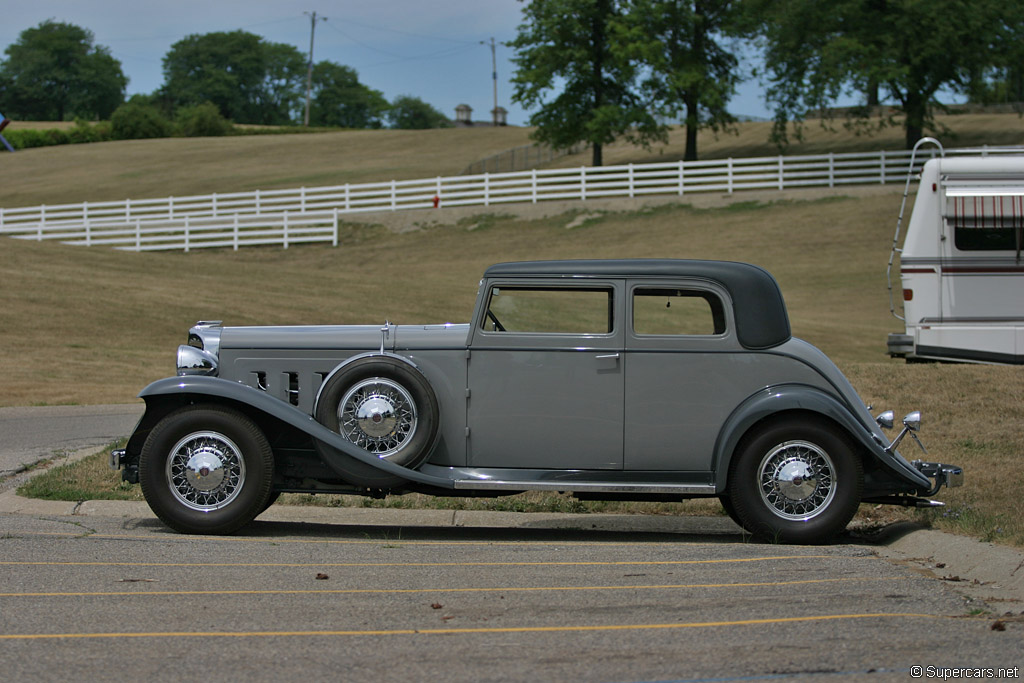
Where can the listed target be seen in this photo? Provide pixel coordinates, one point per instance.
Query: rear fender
(779, 399)
(167, 394)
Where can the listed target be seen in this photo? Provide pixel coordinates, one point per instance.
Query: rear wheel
(206, 470)
(795, 481)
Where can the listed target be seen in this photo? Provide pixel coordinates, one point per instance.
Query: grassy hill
(90, 325)
(139, 169)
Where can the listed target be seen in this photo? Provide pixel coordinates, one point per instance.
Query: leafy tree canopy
(54, 72)
(249, 80)
(687, 67)
(339, 99)
(909, 49)
(569, 67)
(413, 113)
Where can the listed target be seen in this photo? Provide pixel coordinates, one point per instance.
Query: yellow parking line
(392, 591)
(368, 541)
(466, 631)
(769, 558)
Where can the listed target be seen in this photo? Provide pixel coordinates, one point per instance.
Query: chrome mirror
(912, 421)
(886, 419)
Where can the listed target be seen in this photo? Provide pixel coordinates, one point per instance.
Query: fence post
(213, 203)
(533, 184)
(831, 170)
(729, 171)
(138, 234)
(88, 233)
(256, 197)
(682, 173)
(127, 209)
(394, 198)
(335, 242)
(583, 182)
(302, 198)
(881, 168)
(347, 189)
(235, 236)
(186, 234)
(170, 207)
(487, 189)
(782, 174)
(42, 220)
(631, 181)
(286, 230)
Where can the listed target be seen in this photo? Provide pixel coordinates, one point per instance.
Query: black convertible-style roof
(760, 311)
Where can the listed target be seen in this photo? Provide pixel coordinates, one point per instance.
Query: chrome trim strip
(589, 486)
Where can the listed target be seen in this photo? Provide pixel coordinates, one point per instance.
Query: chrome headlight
(193, 361)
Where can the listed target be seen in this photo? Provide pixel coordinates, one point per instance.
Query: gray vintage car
(625, 380)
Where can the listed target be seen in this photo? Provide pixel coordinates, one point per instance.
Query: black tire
(729, 509)
(385, 407)
(795, 481)
(206, 469)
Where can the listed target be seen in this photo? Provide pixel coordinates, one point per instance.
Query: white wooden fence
(303, 215)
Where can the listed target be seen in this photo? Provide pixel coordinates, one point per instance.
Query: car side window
(672, 311)
(549, 310)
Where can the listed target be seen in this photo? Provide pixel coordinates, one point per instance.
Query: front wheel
(795, 481)
(206, 470)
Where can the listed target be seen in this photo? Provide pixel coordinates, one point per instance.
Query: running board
(586, 487)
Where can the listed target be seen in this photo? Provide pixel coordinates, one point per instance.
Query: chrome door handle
(610, 355)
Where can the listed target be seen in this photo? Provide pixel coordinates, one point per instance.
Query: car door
(546, 376)
(685, 373)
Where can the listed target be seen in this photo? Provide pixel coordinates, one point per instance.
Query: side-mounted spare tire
(384, 406)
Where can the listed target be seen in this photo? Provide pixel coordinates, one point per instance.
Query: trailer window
(986, 223)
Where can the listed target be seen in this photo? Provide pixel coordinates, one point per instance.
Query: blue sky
(428, 48)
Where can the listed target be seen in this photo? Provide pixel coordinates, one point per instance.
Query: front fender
(190, 387)
(799, 397)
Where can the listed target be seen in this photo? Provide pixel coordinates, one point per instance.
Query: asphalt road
(31, 434)
(112, 598)
(102, 590)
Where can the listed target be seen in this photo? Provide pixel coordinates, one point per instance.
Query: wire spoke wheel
(378, 415)
(797, 480)
(205, 471)
(384, 406)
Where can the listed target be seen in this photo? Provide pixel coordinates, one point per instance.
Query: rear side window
(549, 310)
(661, 311)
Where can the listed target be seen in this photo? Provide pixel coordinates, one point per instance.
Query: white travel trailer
(960, 265)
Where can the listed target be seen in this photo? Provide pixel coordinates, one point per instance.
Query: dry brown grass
(751, 140)
(82, 325)
(138, 169)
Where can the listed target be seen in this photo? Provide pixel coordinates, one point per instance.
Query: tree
(339, 99)
(568, 66)
(413, 113)
(677, 44)
(815, 52)
(138, 119)
(248, 79)
(55, 73)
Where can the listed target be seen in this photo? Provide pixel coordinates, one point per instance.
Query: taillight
(908, 295)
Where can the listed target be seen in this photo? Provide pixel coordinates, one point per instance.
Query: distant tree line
(592, 71)
(55, 72)
(598, 70)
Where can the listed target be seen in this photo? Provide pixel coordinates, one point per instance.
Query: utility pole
(494, 77)
(309, 70)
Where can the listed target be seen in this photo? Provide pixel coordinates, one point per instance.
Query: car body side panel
(673, 399)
